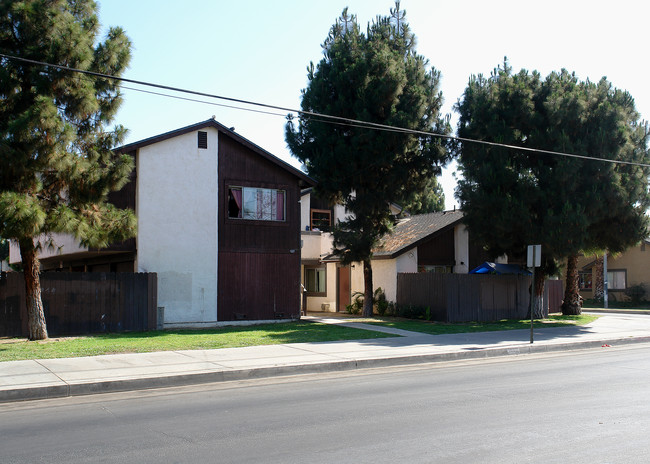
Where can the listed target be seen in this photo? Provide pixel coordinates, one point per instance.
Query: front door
(343, 289)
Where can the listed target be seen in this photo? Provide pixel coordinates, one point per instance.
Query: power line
(348, 121)
(176, 97)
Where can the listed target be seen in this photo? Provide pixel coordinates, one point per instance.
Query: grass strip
(441, 328)
(171, 340)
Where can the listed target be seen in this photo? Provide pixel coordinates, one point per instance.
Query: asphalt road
(578, 407)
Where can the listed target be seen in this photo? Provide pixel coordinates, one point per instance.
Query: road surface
(580, 407)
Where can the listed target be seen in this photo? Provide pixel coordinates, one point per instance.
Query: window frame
(247, 192)
(319, 211)
(582, 280)
(436, 268)
(316, 269)
(609, 281)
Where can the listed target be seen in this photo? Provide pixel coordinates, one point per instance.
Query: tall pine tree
(56, 163)
(430, 199)
(374, 77)
(513, 198)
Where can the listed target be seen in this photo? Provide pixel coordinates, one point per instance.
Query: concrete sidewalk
(51, 378)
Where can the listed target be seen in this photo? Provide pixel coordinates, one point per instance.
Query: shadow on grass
(182, 339)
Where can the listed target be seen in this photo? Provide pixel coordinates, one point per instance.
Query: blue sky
(259, 50)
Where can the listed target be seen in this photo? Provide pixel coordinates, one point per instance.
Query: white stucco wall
(461, 249)
(305, 207)
(310, 245)
(177, 225)
(408, 262)
(384, 272)
(340, 214)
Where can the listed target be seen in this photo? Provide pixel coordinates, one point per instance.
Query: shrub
(411, 312)
(380, 302)
(636, 293)
(357, 304)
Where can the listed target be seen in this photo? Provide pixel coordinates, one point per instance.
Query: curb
(616, 311)
(113, 386)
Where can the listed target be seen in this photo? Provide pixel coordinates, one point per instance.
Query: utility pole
(605, 283)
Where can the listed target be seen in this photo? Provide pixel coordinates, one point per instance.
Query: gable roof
(305, 180)
(411, 231)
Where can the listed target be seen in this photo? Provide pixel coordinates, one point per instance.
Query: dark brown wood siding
(259, 261)
(438, 251)
(123, 199)
(258, 286)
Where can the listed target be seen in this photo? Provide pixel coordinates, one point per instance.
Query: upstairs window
(256, 204)
(321, 219)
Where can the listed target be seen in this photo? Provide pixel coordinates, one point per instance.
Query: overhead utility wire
(202, 101)
(358, 123)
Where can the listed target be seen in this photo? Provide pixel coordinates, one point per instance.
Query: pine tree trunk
(367, 288)
(571, 305)
(598, 279)
(35, 313)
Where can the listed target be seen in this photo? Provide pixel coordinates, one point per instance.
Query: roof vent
(203, 139)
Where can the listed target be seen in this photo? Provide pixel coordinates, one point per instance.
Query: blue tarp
(499, 269)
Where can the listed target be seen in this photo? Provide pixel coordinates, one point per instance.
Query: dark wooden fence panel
(466, 297)
(82, 302)
(555, 292)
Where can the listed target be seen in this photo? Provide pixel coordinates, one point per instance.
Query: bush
(380, 302)
(636, 293)
(412, 312)
(357, 304)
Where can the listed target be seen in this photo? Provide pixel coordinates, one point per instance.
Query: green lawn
(231, 337)
(439, 328)
(142, 342)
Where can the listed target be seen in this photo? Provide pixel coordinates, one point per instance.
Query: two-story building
(434, 242)
(218, 221)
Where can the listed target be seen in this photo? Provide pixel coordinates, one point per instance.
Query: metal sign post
(534, 260)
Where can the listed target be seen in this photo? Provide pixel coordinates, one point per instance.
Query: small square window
(584, 280)
(321, 219)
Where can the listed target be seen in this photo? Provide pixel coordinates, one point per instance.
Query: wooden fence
(82, 302)
(470, 297)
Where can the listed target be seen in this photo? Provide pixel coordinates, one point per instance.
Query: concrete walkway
(50, 378)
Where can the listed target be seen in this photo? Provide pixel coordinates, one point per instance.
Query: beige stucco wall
(635, 261)
(315, 303)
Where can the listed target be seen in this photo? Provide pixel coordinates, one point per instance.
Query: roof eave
(305, 180)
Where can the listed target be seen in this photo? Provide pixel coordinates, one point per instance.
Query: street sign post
(534, 260)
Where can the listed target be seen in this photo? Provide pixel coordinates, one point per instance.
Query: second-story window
(320, 219)
(256, 203)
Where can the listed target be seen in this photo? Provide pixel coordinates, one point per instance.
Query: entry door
(343, 291)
